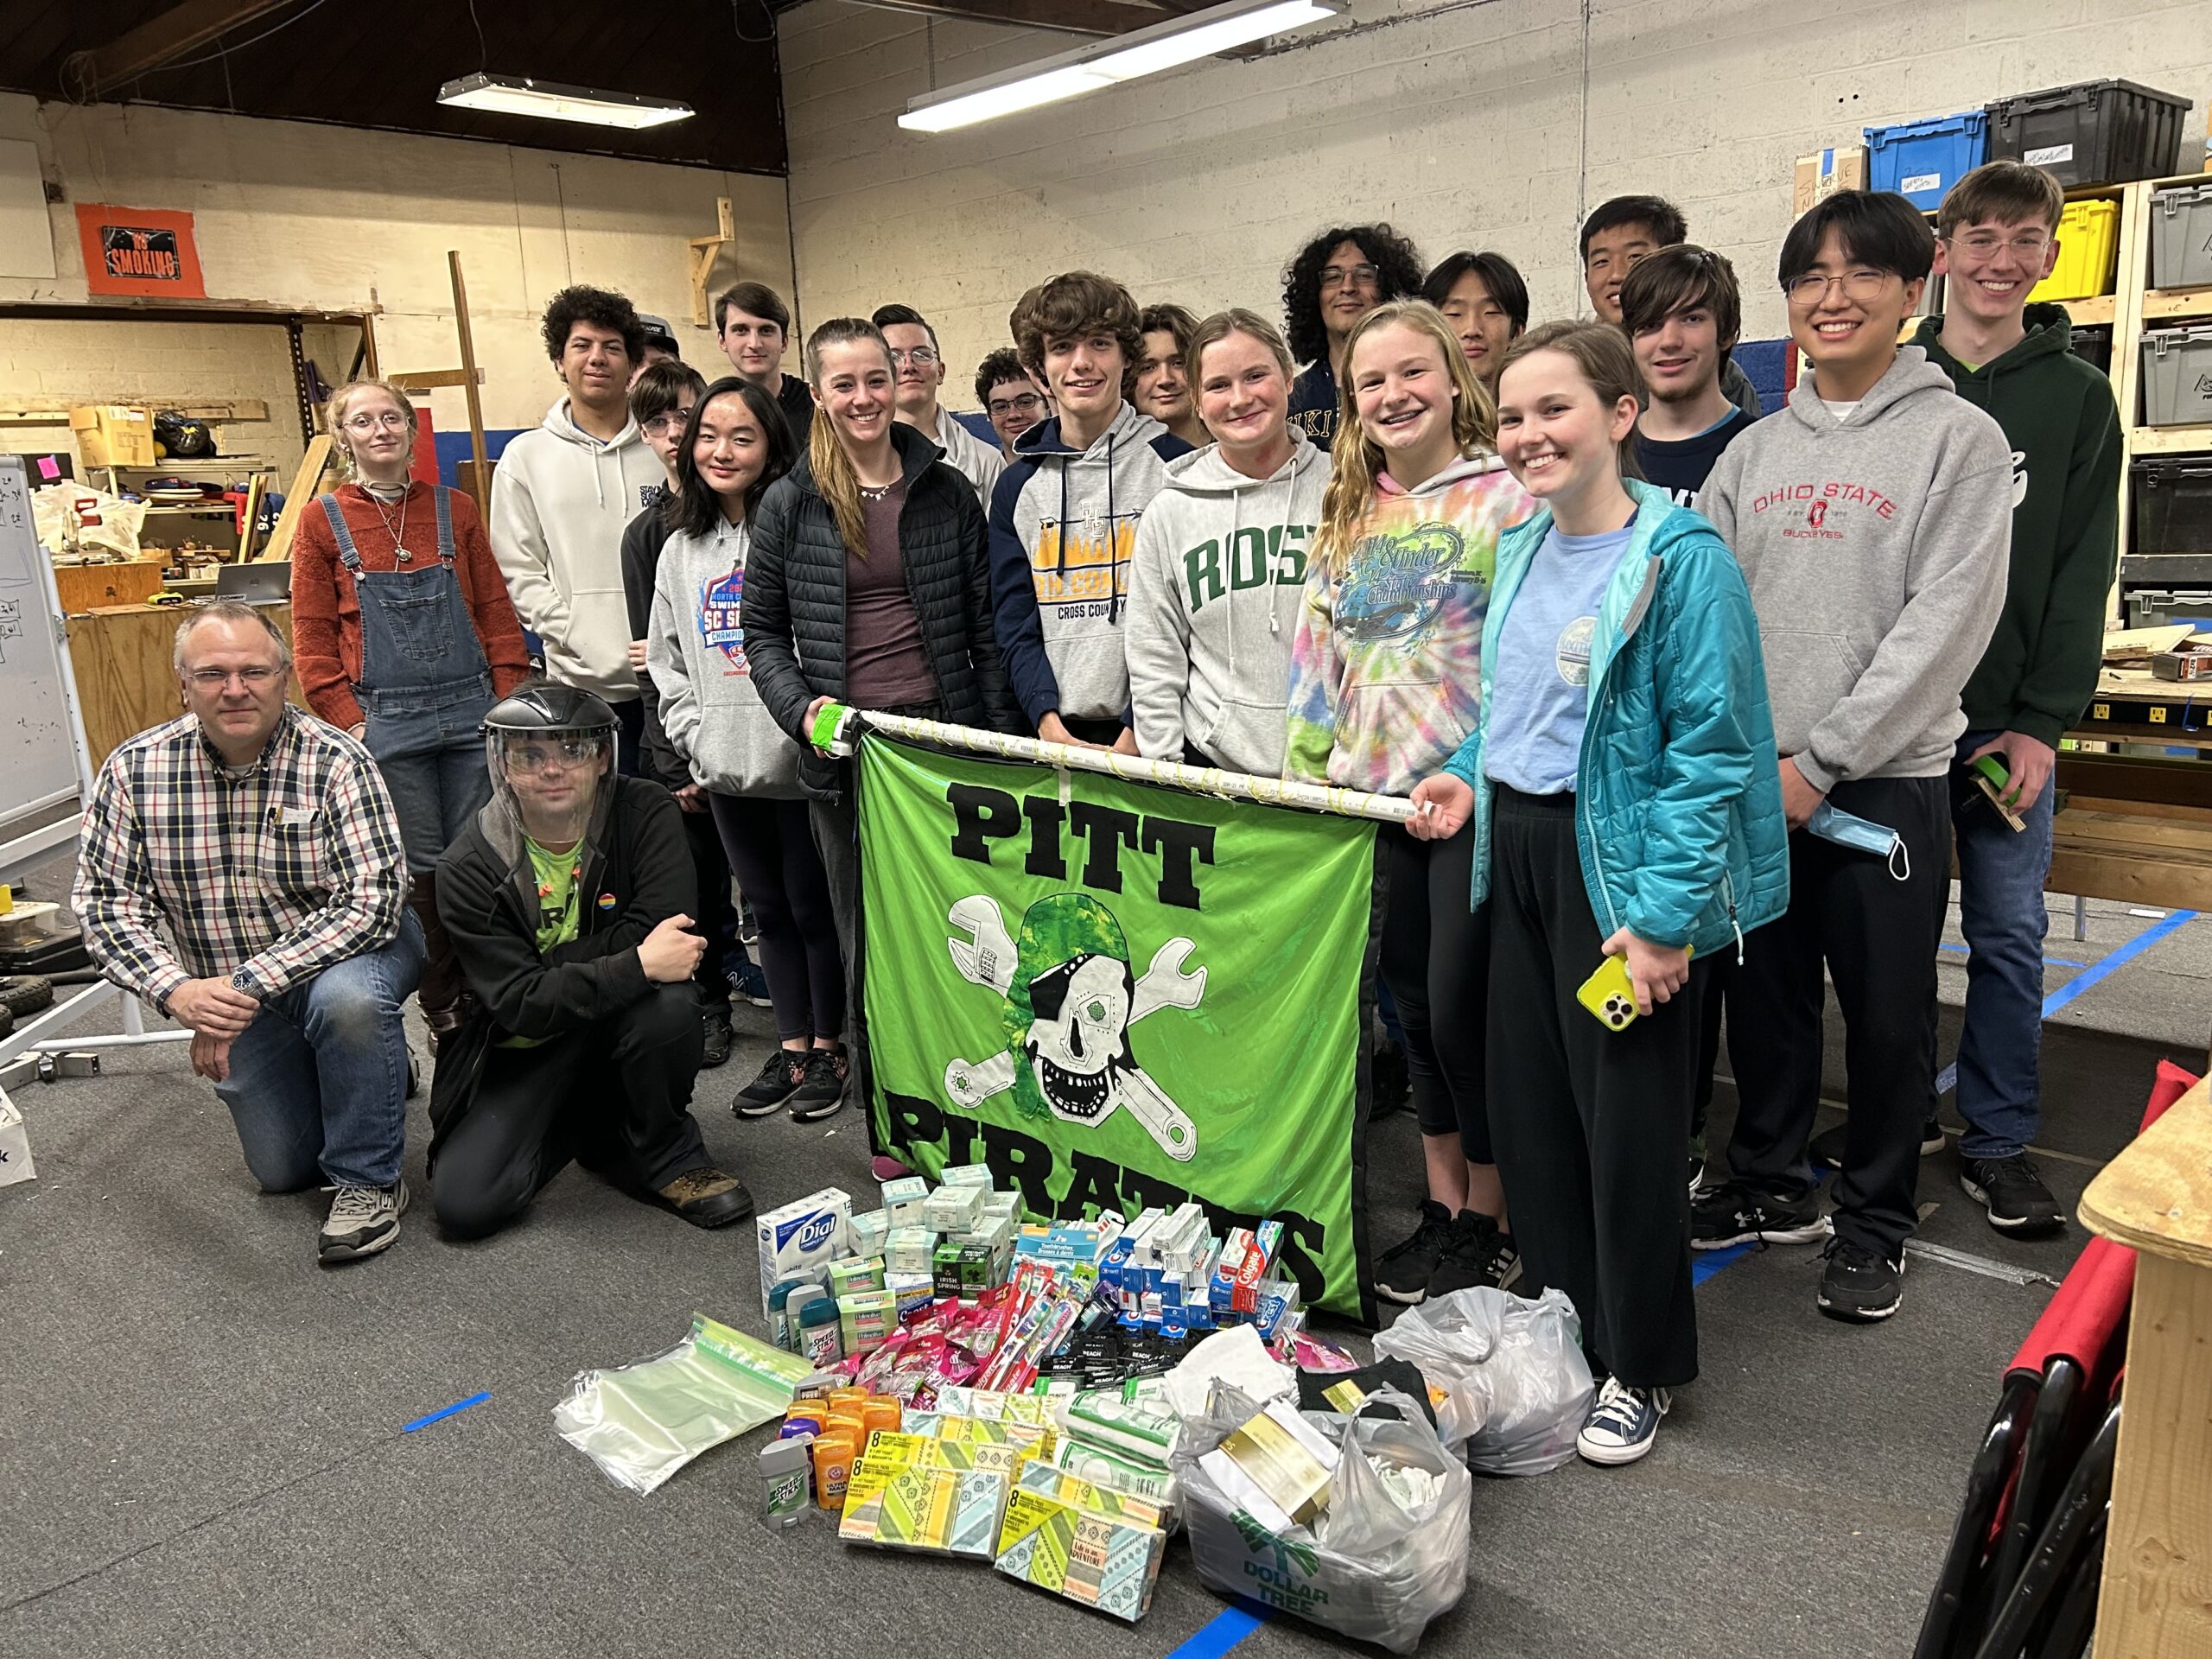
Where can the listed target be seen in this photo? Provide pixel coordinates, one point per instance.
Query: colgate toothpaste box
(809, 1232)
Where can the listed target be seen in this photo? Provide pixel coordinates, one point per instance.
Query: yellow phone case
(1608, 994)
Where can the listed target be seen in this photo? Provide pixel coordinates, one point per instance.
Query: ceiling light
(1121, 57)
(519, 95)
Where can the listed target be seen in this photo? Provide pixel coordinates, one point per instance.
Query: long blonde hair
(1355, 459)
(834, 481)
(334, 412)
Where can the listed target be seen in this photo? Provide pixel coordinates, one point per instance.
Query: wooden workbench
(126, 679)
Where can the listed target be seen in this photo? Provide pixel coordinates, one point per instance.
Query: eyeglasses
(1028, 403)
(214, 679)
(921, 357)
(562, 751)
(670, 421)
(391, 421)
(1983, 245)
(1349, 275)
(1810, 289)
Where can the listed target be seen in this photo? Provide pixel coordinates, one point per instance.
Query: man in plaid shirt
(241, 870)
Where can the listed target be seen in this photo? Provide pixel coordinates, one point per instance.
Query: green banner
(1119, 995)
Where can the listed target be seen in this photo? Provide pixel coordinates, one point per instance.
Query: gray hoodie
(695, 651)
(1875, 550)
(1214, 595)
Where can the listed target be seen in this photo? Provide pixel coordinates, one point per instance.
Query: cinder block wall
(1484, 123)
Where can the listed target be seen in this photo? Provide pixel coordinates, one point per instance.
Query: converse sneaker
(781, 1073)
(713, 1027)
(1477, 1252)
(1859, 1285)
(1827, 1148)
(1733, 1213)
(2012, 1192)
(363, 1220)
(822, 1090)
(1621, 1424)
(1402, 1273)
(707, 1198)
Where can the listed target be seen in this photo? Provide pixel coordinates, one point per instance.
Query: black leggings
(1436, 962)
(770, 849)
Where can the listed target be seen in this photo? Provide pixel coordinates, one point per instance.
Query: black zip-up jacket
(642, 538)
(637, 873)
(795, 601)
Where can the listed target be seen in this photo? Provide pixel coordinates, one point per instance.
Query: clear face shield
(550, 779)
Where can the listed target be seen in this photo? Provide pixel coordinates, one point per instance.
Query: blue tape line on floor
(444, 1411)
(1705, 1264)
(1224, 1631)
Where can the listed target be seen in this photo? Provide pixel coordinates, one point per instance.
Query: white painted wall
(1464, 124)
(315, 216)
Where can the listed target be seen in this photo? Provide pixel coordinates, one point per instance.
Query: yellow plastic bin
(2089, 251)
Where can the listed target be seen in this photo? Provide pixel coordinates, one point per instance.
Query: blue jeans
(2001, 876)
(318, 1083)
(429, 744)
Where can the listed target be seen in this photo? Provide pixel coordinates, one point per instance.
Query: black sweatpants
(717, 917)
(1592, 1125)
(615, 1097)
(1435, 960)
(1878, 936)
(770, 844)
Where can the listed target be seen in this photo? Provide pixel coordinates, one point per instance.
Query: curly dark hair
(1397, 266)
(602, 308)
(1004, 364)
(1076, 302)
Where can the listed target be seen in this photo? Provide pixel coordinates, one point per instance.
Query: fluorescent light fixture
(1119, 58)
(519, 95)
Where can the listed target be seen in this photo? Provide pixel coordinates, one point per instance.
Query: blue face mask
(1861, 836)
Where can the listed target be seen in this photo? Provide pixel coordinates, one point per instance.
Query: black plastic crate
(2092, 132)
(2093, 344)
(2172, 506)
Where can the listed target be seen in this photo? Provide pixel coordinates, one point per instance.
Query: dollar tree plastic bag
(643, 1421)
(1387, 1552)
(1517, 1386)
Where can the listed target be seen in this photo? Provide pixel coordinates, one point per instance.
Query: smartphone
(1609, 995)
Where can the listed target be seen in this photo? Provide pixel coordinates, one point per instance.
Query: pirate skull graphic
(1071, 995)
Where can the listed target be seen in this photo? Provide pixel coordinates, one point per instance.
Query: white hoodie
(1215, 587)
(980, 463)
(560, 502)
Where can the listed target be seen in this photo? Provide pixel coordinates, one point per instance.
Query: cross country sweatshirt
(1385, 671)
(2058, 416)
(1875, 550)
(1214, 598)
(695, 652)
(1064, 527)
(560, 501)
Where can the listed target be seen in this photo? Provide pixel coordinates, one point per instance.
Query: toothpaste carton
(966, 1175)
(1236, 1244)
(800, 1236)
(1276, 1298)
(865, 1319)
(855, 1274)
(911, 1293)
(903, 1199)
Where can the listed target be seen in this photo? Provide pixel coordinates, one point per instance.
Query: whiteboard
(39, 741)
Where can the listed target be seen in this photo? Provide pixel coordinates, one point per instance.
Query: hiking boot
(363, 1220)
(2011, 1190)
(707, 1198)
(1477, 1252)
(1827, 1149)
(746, 980)
(1623, 1423)
(1402, 1272)
(1860, 1284)
(1733, 1213)
(822, 1090)
(713, 1027)
(781, 1073)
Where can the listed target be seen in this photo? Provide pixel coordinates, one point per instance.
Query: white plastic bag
(1371, 1567)
(15, 1145)
(1516, 1385)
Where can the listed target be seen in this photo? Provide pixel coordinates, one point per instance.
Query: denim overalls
(425, 688)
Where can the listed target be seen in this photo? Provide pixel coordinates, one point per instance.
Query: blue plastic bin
(1921, 159)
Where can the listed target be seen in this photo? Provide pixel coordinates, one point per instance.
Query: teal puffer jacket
(1678, 813)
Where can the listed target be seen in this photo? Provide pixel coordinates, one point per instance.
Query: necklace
(399, 553)
(871, 492)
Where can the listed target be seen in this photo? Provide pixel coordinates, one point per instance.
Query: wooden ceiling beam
(1095, 17)
(180, 29)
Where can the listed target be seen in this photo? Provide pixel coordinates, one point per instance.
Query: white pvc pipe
(74, 1045)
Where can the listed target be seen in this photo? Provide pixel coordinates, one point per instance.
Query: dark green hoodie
(2058, 412)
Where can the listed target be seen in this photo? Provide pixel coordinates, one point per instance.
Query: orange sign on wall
(140, 250)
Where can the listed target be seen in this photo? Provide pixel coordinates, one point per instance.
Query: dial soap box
(809, 1233)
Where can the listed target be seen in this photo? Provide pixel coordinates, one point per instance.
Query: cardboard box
(112, 435)
(1843, 168)
(809, 1233)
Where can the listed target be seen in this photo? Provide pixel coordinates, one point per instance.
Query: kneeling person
(565, 902)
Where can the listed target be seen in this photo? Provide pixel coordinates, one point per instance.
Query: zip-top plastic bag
(1386, 1554)
(1515, 1383)
(643, 1421)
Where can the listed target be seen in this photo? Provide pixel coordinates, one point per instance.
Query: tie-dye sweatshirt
(1384, 673)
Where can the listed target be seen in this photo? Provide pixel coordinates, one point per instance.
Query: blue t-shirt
(1540, 690)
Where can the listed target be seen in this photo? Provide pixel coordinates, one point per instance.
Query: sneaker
(781, 1073)
(1733, 1214)
(746, 980)
(1621, 1424)
(363, 1220)
(1827, 1149)
(1475, 1253)
(1859, 1286)
(1402, 1273)
(2012, 1192)
(707, 1198)
(822, 1090)
(714, 1025)
(1698, 1183)
(885, 1168)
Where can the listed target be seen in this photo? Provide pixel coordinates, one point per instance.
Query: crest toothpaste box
(807, 1234)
